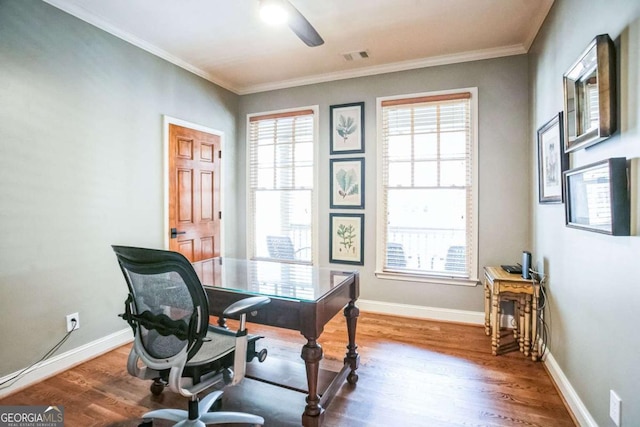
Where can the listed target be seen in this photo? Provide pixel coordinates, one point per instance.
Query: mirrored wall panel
(589, 96)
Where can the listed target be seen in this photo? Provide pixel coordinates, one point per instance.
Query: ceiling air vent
(356, 55)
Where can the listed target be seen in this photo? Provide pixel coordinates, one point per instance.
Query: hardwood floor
(412, 373)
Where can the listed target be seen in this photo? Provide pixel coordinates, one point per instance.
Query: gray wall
(80, 169)
(594, 293)
(503, 163)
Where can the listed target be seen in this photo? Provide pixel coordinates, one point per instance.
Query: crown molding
(434, 61)
(388, 68)
(540, 18)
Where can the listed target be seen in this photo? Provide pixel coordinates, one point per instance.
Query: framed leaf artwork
(346, 236)
(347, 128)
(347, 183)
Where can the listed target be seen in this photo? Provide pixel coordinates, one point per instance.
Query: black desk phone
(512, 269)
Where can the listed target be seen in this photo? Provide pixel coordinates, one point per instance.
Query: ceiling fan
(278, 11)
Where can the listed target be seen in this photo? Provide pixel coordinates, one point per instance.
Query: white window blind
(427, 202)
(592, 109)
(281, 178)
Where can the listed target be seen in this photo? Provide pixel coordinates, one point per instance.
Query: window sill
(438, 280)
(282, 261)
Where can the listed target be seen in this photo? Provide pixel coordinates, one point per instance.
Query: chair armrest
(245, 306)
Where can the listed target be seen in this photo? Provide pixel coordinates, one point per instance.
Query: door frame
(166, 121)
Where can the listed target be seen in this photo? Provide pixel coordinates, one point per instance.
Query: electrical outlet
(615, 404)
(70, 318)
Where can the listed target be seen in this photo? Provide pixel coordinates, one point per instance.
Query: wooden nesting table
(502, 286)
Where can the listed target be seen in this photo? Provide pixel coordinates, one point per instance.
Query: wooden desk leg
(495, 312)
(351, 313)
(312, 354)
(527, 325)
(487, 309)
(534, 325)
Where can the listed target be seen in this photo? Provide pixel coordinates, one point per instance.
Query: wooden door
(194, 193)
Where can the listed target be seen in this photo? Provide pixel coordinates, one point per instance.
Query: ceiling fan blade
(303, 29)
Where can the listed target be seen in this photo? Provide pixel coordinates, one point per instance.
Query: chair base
(199, 415)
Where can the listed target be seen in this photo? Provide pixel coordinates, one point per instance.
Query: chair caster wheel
(352, 378)
(262, 355)
(156, 389)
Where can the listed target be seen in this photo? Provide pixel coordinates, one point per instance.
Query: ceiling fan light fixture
(282, 11)
(273, 12)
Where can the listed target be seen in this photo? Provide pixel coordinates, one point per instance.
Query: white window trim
(316, 151)
(381, 226)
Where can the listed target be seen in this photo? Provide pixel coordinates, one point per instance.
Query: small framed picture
(552, 161)
(347, 183)
(346, 238)
(347, 128)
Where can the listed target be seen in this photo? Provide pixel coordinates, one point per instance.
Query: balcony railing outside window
(429, 250)
(427, 199)
(281, 186)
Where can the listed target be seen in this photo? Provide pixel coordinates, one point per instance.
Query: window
(427, 199)
(281, 179)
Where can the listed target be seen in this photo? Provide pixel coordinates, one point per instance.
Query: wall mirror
(589, 96)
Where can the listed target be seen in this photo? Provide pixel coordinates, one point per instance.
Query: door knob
(175, 232)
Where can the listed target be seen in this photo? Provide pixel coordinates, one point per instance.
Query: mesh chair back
(168, 300)
(162, 294)
(395, 255)
(456, 260)
(280, 247)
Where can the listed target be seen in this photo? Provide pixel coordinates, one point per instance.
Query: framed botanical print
(346, 238)
(552, 161)
(347, 128)
(347, 183)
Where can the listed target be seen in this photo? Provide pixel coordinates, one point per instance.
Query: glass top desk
(303, 298)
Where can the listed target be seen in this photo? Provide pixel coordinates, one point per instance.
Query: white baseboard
(81, 354)
(421, 312)
(431, 313)
(580, 412)
(66, 360)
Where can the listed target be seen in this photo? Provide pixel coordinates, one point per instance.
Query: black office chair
(168, 311)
